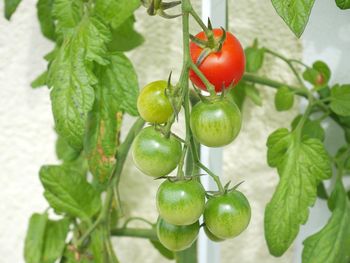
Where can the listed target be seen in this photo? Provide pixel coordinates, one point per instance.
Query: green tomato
(211, 236)
(154, 154)
(152, 103)
(176, 238)
(216, 123)
(181, 202)
(228, 215)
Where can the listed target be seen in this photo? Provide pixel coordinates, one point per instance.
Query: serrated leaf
(332, 242)
(254, 57)
(47, 24)
(54, 240)
(64, 151)
(69, 192)
(340, 100)
(10, 7)
(301, 163)
(125, 38)
(319, 75)
(40, 81)
(163, 250)
(311, 129)
(253, 93)
(68, 14)
(343, 4)
(71, 78)
(284, 99)
(34, 242)
(295, 13)
(116, 12)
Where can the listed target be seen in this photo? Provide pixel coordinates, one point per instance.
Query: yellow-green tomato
(211, 236)
(152, 103)
(176, 238)
(228, 215)
(215, 123)
(154, 154)
(181, 202)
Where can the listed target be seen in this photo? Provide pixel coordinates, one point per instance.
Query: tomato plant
(153, 104)
(215, 123)
(222, 68)
(181, 202)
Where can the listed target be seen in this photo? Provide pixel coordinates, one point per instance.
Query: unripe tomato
(220, 68)
(211, 236)
(216, 123)
(152, 103)
(154, 154)
(176, 238)
(228, 215)
(181, 202)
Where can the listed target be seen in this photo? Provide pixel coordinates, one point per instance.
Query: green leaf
(68, 14)
(10, 7)
(47, 23)
(311, 129)
(163, 250)
(332, 242)
(34, 242)
(116, 12)
(69, 192)
(64, 151)
(254, 57)
(319, 75)
(321, 191)
(284, 99)
(40, 81)
(340, 100)
(125, 38)
(343, 4)
(295, 13)
(253, 93)
(188, 255)
(71, 78)
(237, 94)
(54, 240)
(301, 163)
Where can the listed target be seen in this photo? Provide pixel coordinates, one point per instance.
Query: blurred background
(27, 138)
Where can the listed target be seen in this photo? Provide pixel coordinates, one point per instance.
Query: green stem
(136, 218)
(199, 73)
(135, 232)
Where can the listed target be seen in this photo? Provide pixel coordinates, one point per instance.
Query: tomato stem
(209, 86)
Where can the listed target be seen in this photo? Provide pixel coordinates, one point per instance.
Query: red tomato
(220, 68)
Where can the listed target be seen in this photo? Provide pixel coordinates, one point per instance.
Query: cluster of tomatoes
(214, 122)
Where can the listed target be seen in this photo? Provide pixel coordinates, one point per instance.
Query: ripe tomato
(181, 202)
(220, 68)
(154, 154)
(152, 103)
(215, 123)
(228, 215)
(176, 238)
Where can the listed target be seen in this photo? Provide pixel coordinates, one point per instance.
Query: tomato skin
(228, 215)
(152, 103)
(176, 238)
(215, 124)
(154, 154)
(181, 202)
(220, 68)
(211, 236)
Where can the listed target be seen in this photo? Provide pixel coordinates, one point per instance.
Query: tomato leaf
(343, 4)
(319, 75)
(238, 95)
(254, 57)
(301, 163)
(332, 242)
(68, 14)
(64, 151)
(295, 13)
(34, 241)
(10, 7)
(253, 93)
(125, 38)
(284, 99)
(163, 250)
(71, 78)
(67, 191)
(40, 81)
(116, 12)
(340, 100)
(46, 20)
(311, 129)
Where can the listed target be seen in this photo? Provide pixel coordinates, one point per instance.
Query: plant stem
(135, 232)
(208, 85)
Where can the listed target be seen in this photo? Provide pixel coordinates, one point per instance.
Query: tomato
(220, 68)
(154, 154)
(181, 202)
(152, 103)
(176, 238)
(215, 123)
(211, 236)
(228, 215)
